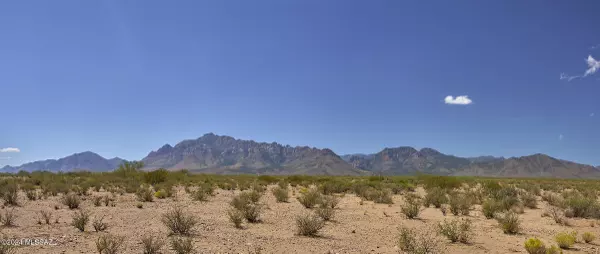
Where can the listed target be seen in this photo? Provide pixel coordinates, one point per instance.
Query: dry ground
(366, 228)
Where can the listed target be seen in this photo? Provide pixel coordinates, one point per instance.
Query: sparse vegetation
(152, 245)
(182, 245)
(566, 240)
(412, 206)
(309, 198)
(460, 204)
(46, 216)
(435, 196)
(309, 224)
(509, 222)
(9, 217)
(281, 194)
(99, 225)
(71, 200)
(109, 244)
(247, 204)
(457, 230)
(178, 222)
(418, 242)
(145, 194)
(236, 217)
(325, 212)
(588, 237)
(535, 246)
(80, 220)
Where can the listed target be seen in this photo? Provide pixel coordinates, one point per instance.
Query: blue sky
(122, 78)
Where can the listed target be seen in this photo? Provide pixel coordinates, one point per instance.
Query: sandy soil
(366, 228)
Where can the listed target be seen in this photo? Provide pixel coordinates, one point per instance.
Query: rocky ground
(358, 227)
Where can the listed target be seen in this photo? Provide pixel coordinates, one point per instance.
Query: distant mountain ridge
(217, 154)
(80, 161)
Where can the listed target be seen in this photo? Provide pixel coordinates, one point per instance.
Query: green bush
(418, 242)
(581, 206)
(456, 230)
(460, 204)
(535, 246)
(156, 176)
(553, 250)
(145, 194)
(435, 196)
(161, 194)
(490, 207)
(509, 222)
(9, 190)
(529, 200)
(309, 225)
(247, 204)
(566, 240)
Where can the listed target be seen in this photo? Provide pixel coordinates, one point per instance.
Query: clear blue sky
(122, 78)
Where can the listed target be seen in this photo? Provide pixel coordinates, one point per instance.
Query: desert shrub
(179, 222)
(152, 245)
(309, 198)
(529, 200)
(32, 194)
(582, 206)
(200, 195)
(444, 182)
(259, 187)
(380, 196)
(535, 246)
(139, 205)
(329, 201)
(333, 186)
(236, 217)
(161, 194)
(412, 206)
(46, 216)
(588, 237)
(281, 194)
(490, 207)
(182, 245)
(9, 190)
(71, 200)
(7, 249)
(508, 202)
(109, 244)
(80, 220)
(553, 250)
(457, 230)
(509, 222)
(106, 200)
(97, 200)
(460, 204)
(566, 240)
(418, 242)
(8, 220)
(325, 212)
(553, 199)
(99, 225)
(247, 204)
(557, 215)
(309, 224)
(435, 196)
(156, 176)
(145, 194)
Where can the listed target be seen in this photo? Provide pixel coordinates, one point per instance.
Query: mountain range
(226, 155)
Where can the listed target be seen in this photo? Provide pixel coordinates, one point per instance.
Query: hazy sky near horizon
(122, 78)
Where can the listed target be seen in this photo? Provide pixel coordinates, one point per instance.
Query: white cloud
(567, 77)
(560, 137)
(593, 66)
(10, 150)
(595, 47)
(459, 100)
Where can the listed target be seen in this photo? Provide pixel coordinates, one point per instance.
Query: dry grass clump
(9, 217)
(152, 245)
(509, 222)
(490, 207)
(460, 204)
(529, 200)
(588, 237)
(182, 245)
(457, 230)
(179, 222)
(557, 215)
(236, 217)
(109, 244)
(46, 216)
(418, 242)
(325, 212)
(412, 206)
(329, 201)
(80, 220)
(9, 190)
(309, 224)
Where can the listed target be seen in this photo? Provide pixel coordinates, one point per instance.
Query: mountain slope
(226, 155)
(537, 165)
(407, 160)
(80, 161)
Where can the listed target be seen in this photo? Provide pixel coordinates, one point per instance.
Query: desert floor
(357, 228)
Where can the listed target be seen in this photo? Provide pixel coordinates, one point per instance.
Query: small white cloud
(459, 100)
(567, 77)
(595, 47)
(560, 137)
(10, 150)
(592, 64)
